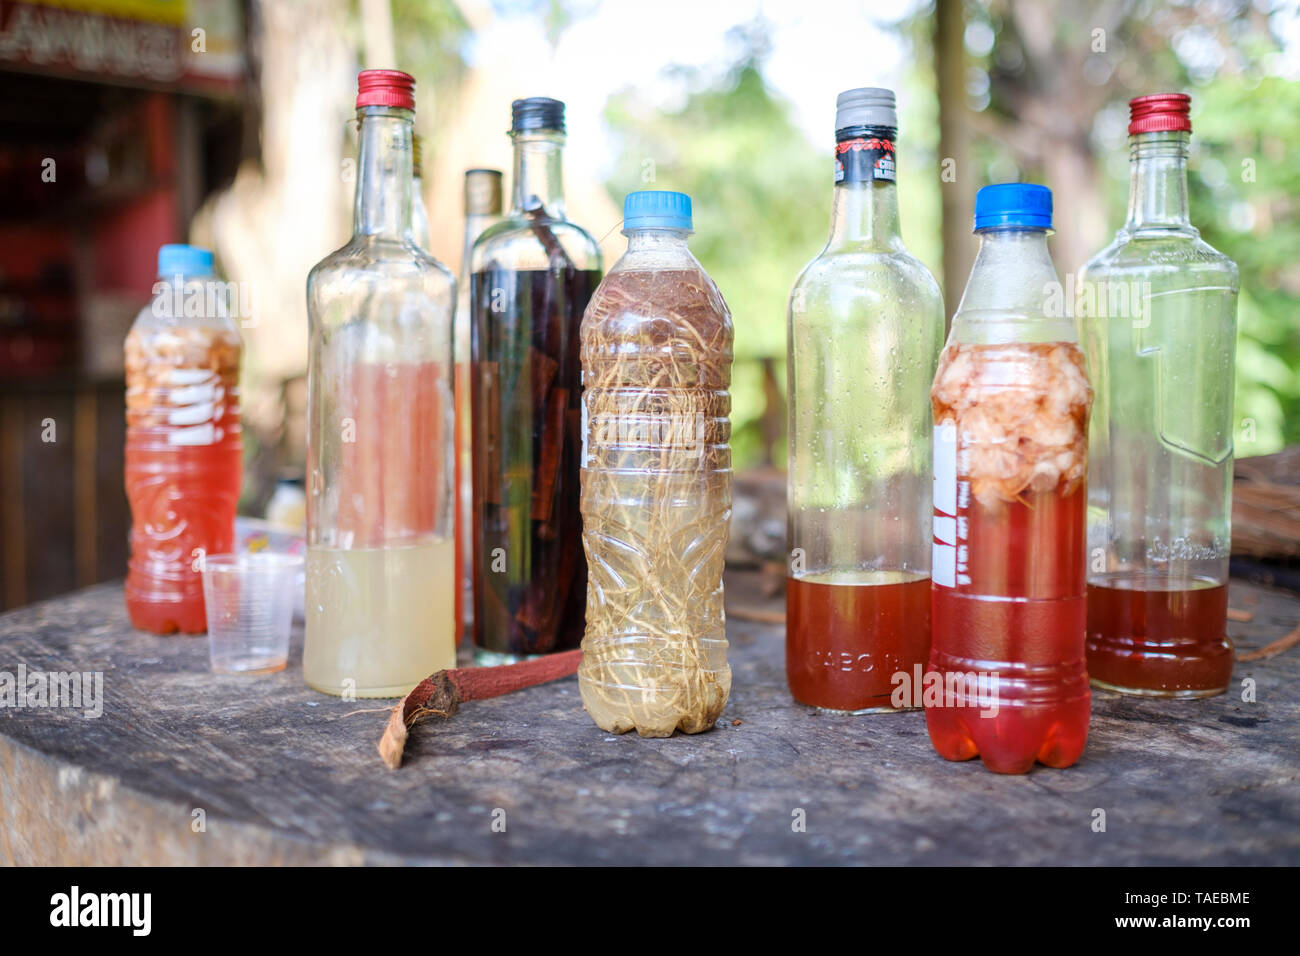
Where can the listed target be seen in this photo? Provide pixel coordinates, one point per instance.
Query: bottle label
(864, 159)
(946, 544)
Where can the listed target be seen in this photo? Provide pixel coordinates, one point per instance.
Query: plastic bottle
(656, 481)
(1158, 320)
(1010, 400)
(380, 538)
(866, 326)
(184, 451)
(533, 274)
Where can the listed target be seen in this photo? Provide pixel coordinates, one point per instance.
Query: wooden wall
(63, 513)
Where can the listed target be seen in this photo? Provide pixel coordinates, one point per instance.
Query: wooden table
(184, 767)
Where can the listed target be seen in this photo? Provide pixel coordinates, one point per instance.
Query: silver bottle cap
(865, 106)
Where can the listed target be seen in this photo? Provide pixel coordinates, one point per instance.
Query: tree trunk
(957, 174)
(286, 212)
(377, 34)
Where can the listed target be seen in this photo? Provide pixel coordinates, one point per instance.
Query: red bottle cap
(1159, 113)
(385, 88)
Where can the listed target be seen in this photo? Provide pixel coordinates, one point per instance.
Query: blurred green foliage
(762, 190)
(1241, 182)
(1244, 185)
(762, 198)
(429, 35)
(760, 193)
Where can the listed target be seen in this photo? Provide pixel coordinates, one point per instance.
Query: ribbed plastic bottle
(184, 450)
(656, 481)
(1007, 677)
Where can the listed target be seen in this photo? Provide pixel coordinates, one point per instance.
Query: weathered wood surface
(285, 775)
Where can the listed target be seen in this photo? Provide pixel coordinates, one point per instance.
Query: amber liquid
(1158, 643)
(849, 633)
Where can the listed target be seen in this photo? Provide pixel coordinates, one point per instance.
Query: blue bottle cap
(656, 209)
(1023, 205)
(179, 259)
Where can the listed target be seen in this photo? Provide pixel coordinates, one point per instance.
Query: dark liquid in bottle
(846, 639)
(1158, 643)
(530, 575)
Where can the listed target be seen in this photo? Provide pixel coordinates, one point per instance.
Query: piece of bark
(441, 694)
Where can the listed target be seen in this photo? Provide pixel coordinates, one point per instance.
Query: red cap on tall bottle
(1160, 113)
(385, 88)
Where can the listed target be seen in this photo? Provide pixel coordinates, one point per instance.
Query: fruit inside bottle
(1009, 602)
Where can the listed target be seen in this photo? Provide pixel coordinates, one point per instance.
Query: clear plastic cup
(249, 600)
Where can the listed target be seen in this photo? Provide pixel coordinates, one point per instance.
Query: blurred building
(118, 118)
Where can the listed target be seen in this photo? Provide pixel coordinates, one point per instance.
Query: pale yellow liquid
(379, 620)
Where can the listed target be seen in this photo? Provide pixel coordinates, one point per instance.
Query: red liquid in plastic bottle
(1009, 600)
(183, 470)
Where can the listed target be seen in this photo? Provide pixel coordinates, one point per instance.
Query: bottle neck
(538, 173)
(384, 183)
(865, 212)
(1012, 275)
(656, 240)
(1157, 195)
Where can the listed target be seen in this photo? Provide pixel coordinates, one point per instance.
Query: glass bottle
(184, 446)
(482, 209)
(656, 481)
(419, 212)
(865, 329)
(380, 537)
(1158, 318)
(533, 274)
(1010, 400)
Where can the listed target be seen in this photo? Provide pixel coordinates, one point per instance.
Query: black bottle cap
(536, 112)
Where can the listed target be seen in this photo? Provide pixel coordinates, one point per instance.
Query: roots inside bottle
(656, 502)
